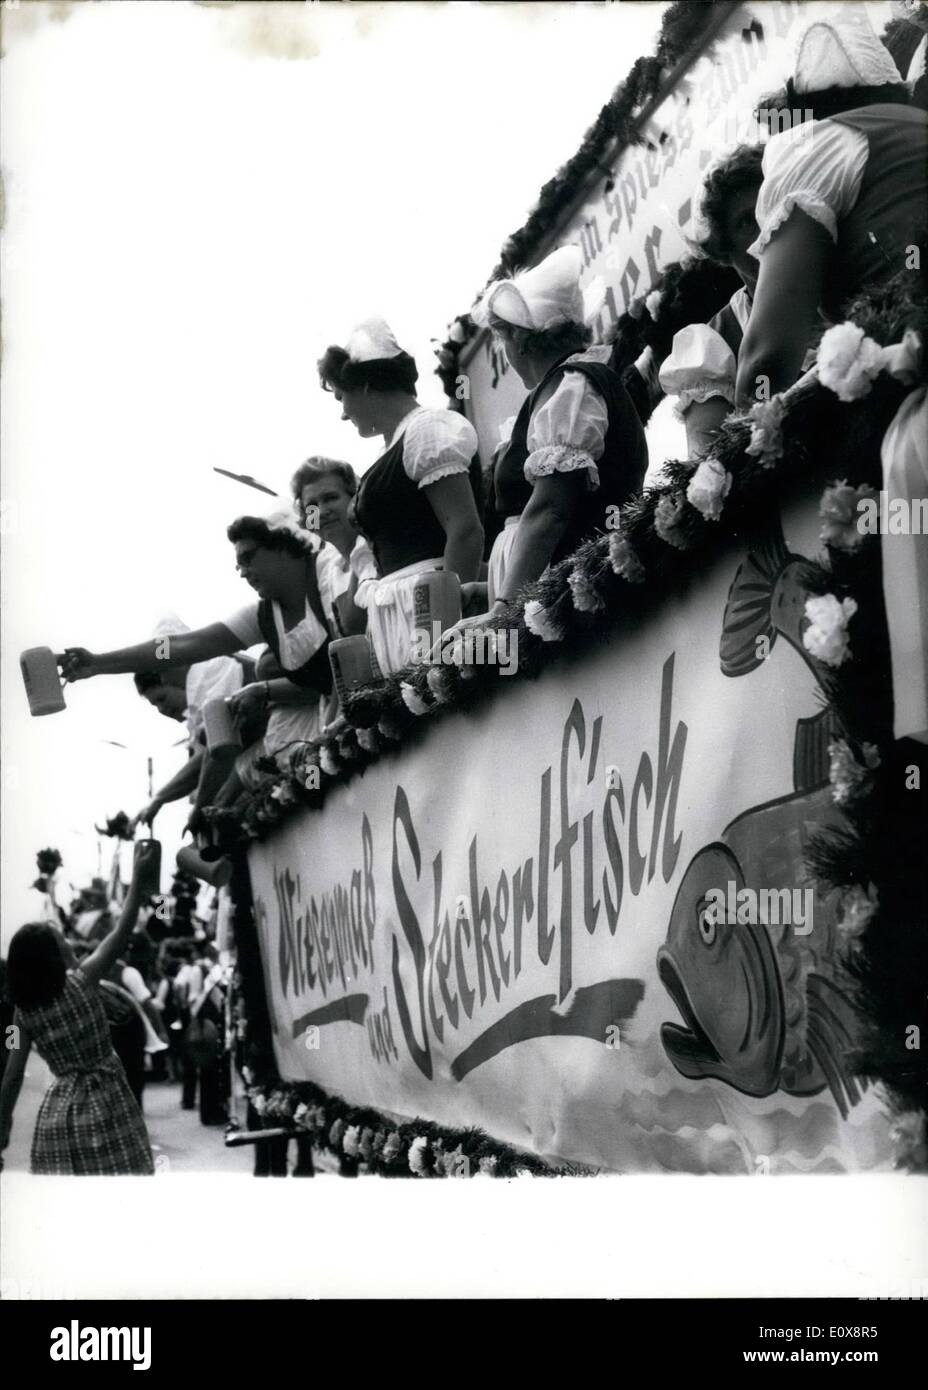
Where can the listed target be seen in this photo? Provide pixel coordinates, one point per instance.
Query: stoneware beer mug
(352, 663)
(148, 854)
(436, 603)
(219, 725)
(42, 682)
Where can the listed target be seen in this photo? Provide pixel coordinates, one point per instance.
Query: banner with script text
(637, 217)
(578, 918)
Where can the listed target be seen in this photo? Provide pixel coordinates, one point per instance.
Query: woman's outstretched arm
(183, 649)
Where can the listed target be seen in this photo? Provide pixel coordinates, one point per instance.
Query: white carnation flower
(327, 761)
(826, 636)
(417, 1151)
(848, 361)
(624, 561)
(367, 740)
(538, 620)
(412, 699)
(437, 682)
(652, 303)
(585, 597)
(708, 488)
(351, 1142)
(858, 907)
(668, 515)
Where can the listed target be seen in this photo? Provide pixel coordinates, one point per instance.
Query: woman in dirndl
(842, 208)
(89, 1122)
(577, 449)
(418, 504)
(703, 363)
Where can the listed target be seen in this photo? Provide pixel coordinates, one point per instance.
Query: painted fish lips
(690, 1048)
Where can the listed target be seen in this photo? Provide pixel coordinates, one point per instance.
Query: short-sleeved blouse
(391, 508)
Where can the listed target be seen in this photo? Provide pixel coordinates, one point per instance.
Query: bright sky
(199, 199)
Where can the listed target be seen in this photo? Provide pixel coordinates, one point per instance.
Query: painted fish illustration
(763, 1006)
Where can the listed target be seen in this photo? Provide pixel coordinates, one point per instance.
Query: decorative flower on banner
(539, 621)
(848, 361)
(336, 1132)
(328, 761)
(849, 780)
(388, 727)
(366, 1144)
(585, 597)
(766, 420)
(283, 793)
(438, 683)
(417, 1156)
(367, 740)
(624, 561)
(488, 1166)
(652, 302)
(351, 1143)
(259, 1103)
(636, 308)
(413, 700)
(826, 636)
(841, 517)
(708, 488)
(668, 517)
(909, 1136)
(378, 1142)
(857, 909)
(391, 1147)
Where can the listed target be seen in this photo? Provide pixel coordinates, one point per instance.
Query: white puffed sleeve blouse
(568, 432)
(701, 364)
(818, 167)
(437, 444)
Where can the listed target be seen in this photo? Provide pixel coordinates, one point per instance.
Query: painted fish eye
(706, 914)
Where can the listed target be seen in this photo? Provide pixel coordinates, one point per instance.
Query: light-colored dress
(88, 1122)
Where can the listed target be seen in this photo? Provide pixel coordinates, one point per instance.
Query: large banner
(579, 918)
(636, 221)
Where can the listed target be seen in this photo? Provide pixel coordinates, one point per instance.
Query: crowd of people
(806, 222)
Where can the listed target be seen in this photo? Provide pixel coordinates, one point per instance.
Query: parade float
(651, 897)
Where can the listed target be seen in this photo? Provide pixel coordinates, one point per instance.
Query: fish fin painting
(751, 958)
(810, 753)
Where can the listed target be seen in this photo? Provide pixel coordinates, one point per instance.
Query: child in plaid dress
(89, 1122)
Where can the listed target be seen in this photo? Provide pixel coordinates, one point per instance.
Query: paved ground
(179, 1142)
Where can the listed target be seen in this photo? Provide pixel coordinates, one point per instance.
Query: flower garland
(664, 537)
(417, 1148)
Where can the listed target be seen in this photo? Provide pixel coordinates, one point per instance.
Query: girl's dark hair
(35, 967)
(828, 101)
(255, 528)
(564, 339)
(337, 372)
(742, 170)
